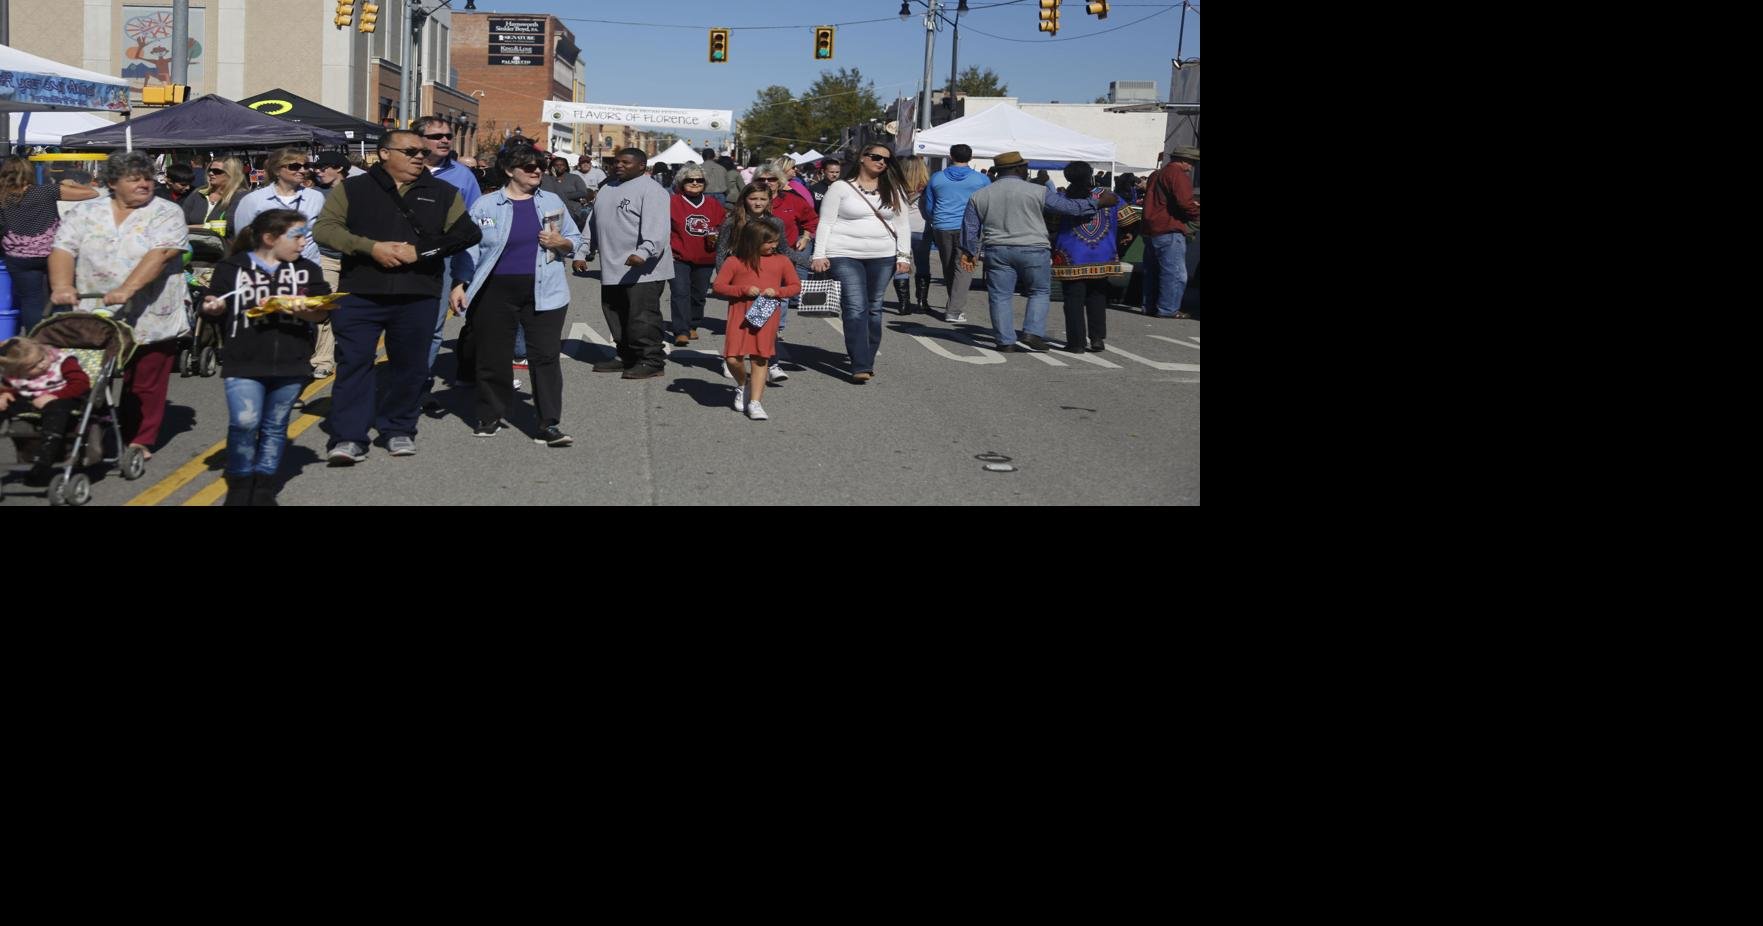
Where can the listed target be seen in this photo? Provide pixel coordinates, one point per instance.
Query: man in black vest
(394, 225)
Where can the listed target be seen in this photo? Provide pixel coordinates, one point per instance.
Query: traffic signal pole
(180, 42)
(930, 50)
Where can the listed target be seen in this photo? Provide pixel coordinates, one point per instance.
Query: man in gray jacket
(715, 177)
(1008, 220)
(632, 225)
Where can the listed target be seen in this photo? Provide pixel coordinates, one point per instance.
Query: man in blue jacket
(437, 143)
(944, 203)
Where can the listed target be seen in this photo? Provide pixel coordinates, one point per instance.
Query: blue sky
(665, 64)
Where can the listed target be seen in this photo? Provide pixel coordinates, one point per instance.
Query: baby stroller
(199, 354)
(103, 346)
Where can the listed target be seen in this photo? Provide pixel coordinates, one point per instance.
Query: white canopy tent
(807, 156)
(30, 84)
(48, 128)
(1006, 128)
(678, 154)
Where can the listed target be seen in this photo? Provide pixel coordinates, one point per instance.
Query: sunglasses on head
(407, 152)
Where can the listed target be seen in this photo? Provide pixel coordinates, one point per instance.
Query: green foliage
(975, 82)
(778, 122)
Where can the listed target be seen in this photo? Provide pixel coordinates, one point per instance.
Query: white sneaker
(740, 399)
(775, 375)
(756, 412)
(517, 382)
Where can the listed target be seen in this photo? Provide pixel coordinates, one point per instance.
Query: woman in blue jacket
(517, 277)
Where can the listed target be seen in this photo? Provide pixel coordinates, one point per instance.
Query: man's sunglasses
(407, 152)
(446, 135)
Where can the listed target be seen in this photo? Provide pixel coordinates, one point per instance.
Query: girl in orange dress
(757, 269)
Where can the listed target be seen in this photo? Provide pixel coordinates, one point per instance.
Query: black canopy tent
(292, 108)
(207, 123)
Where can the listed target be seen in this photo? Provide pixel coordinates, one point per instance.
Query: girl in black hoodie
(265, 360)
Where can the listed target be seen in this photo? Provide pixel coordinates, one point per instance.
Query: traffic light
(168, 95)
(1050, 16)
(345, 13)
(719, 46)
(370, 16)
(823, 43)
(1097, 9)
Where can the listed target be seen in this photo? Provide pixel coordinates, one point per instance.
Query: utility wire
(1075, 38)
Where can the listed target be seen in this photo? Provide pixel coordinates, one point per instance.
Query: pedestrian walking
(864, 239)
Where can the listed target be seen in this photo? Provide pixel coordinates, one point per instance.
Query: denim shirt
(494, 214)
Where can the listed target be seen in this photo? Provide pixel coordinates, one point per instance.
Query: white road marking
(1156, 364)
(1174, 341)
(1092, 358)
(582, 331)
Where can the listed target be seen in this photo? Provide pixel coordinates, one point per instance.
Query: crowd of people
(419, 234)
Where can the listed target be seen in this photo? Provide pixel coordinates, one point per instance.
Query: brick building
(512, 63)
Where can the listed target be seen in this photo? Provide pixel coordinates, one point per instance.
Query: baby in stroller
(34, 376)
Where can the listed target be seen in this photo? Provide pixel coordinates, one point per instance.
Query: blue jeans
(30, 289)
(1166, 278)
(862, 283)
(921, 257)
(1035, 265)
(257, 422)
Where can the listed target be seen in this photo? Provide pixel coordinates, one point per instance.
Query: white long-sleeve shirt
(849, 229)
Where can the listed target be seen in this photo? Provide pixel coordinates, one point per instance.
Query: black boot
(901, 291)
(238, 491)
(921, 289)
(263, 491)
(49, 454)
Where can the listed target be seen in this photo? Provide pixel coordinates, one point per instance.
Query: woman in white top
(864, 239)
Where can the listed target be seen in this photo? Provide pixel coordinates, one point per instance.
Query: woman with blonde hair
(212, 206)
(28, 221)
(917, 178)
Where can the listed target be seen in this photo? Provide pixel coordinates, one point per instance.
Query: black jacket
(373, 212)
(277, 344)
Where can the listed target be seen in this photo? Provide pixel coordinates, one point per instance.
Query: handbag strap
(868, 203)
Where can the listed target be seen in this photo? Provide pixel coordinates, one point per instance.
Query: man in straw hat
(1170, 207)
(1007, 219)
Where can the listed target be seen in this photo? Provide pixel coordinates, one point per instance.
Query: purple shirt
(521, 256)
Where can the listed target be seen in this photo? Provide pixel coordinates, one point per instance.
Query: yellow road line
(189, 472)
(213, 493)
